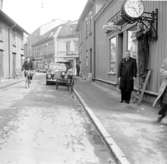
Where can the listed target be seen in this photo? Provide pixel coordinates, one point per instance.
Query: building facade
(110, 46)
(59, 43)
(86, 35)
(11, 47)
(67, 43)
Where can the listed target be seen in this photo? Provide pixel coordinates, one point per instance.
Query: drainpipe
(9, 47)
(94, 51)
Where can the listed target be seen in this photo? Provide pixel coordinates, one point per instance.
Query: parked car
(55, 70)
(66, 78)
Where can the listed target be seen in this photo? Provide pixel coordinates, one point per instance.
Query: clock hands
(134, 9)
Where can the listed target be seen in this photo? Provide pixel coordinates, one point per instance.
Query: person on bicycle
(28, 69)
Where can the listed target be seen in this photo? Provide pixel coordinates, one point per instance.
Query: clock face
(134, 8)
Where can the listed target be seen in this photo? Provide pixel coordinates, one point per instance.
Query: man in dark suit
(126, 74)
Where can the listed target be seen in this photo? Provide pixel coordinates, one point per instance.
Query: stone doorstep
(114, 148)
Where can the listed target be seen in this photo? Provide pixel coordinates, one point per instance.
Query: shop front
(137, 27)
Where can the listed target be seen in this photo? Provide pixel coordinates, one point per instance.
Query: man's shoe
(127, 101)
(159, 119)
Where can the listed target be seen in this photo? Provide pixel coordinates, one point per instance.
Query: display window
(113, 53)
(132, 42)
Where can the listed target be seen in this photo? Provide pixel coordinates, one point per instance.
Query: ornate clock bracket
(150, 21)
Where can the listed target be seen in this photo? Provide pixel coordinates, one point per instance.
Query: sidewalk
(132, 127)
(4, 83)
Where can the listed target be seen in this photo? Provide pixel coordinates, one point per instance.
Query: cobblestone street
(42, 125)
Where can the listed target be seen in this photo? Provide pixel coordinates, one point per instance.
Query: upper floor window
(76, 45)
(90, 22)
(87, 27)
(68, 45)
(14, 38)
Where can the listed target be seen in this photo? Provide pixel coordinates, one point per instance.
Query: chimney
(1, 4)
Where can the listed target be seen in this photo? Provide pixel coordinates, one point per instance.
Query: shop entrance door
(91, 64)
(1, 64)
(14, 65)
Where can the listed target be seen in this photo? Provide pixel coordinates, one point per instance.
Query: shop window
(133, 48)
(132, 42)
(1, 34)
(113, 53)
(1, 64)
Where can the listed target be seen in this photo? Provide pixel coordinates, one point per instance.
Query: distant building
(11, 47)
(43, 50)
(40, 33)
(67, 43)
(59, 43)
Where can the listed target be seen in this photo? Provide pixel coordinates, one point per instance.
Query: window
(133, 48)
(132, 42)
(90, 22)
(76, 45)
(14, 38)
(1, 34)
(1, 64)
(87, 27)
(113, 53)
(68, 43)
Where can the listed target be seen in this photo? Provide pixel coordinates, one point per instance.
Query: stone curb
(114, 148)
(10, 84)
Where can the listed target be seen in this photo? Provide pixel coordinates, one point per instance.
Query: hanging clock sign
(132, 9)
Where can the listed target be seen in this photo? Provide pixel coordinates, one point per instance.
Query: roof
(5, 18)
(85, 11)
(68, 30)
(88, 7)
(46, 37)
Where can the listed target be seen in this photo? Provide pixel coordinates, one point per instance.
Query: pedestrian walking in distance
(126, 74)
(162, 94)
(28, 70)
(78, 68)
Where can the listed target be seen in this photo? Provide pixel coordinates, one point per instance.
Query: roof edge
(87, 7)
(11, 21)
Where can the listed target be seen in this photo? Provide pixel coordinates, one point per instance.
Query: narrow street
(42, 125)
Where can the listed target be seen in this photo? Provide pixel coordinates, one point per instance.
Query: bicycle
(28, 75)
